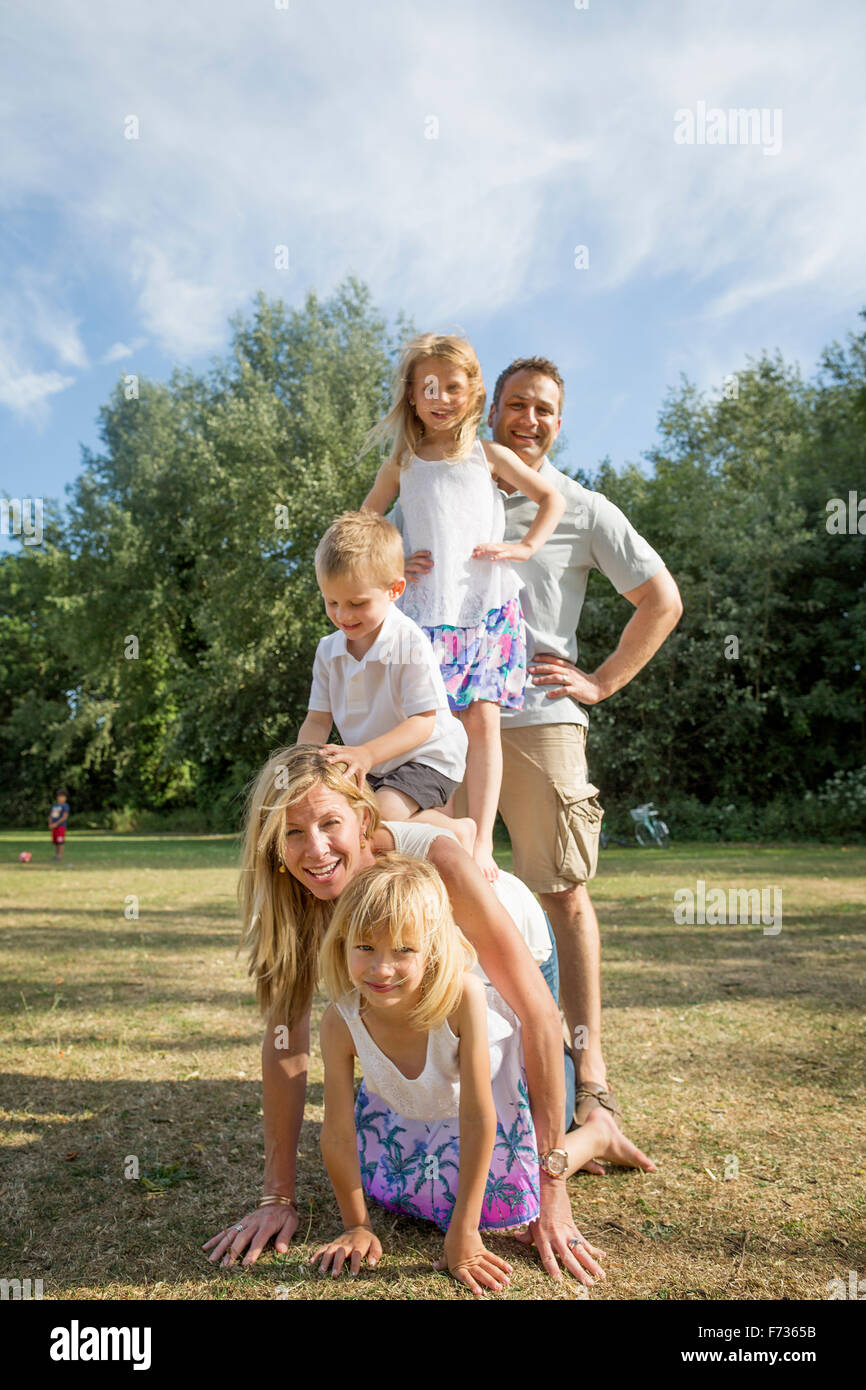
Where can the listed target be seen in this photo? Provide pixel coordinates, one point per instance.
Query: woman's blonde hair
(282, 921)
(401, 428)
(407, 898)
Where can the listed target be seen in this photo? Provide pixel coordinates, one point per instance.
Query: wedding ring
(238, 1228)
(574, 1241)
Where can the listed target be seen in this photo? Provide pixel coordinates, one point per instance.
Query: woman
(308, 831)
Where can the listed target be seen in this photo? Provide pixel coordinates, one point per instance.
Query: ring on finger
(575, 1240)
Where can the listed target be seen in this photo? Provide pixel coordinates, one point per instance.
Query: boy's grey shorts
(424, 784)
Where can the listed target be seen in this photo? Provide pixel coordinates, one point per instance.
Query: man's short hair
(361, 545)
(542, 365)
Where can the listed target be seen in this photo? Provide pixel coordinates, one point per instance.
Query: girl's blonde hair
(401, 428)
(407, 898)
(282, 921)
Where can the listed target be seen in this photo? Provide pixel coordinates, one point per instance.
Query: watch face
(556, 1162)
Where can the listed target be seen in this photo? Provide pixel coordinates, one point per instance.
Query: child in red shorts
(57, 823)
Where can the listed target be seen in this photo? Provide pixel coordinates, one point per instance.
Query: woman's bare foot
(483, 856)
(600, 1138)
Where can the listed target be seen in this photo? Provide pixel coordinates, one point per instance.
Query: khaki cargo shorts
(549, 805)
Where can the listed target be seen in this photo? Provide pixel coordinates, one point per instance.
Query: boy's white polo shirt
(398, 677)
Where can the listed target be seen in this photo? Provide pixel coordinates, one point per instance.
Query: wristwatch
(554, 1162)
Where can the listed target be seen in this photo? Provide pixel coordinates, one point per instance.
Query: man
(547, 801)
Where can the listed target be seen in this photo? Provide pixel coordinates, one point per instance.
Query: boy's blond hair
(401, 427)
(407, 898)
(360, 545)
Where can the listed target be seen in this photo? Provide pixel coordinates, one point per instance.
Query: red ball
(25, 856)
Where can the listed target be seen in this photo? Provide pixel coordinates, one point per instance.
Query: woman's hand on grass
(355, 1245)
(471, 1264)
(556, 1237)
(252, 1233)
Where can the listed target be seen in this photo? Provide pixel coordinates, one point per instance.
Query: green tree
(191, 534)
(759, 691)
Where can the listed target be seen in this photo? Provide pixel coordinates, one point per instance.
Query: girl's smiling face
(389, 976)
(440, 394)
(322, 843)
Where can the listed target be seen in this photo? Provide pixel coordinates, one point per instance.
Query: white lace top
(448, 508)
(434, 1095)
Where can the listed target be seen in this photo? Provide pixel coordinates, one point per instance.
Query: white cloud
(34, 319)
(118, 351)
(26, 392)
(34, 304)
(307, 127)
(184, 317)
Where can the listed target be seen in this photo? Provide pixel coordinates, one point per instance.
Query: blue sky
(307, 126)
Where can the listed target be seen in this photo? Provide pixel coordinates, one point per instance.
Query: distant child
(378, 680)
(469, 608)
(441, 1128)
(57, 823)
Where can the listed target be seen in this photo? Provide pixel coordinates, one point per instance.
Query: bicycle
(649, 828)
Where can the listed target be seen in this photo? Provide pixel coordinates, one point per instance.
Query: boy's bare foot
(464, 829)
(483, 856)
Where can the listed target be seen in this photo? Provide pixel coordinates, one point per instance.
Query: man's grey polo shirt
(592, 534)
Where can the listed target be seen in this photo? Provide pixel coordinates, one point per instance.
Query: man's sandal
(589, 1097)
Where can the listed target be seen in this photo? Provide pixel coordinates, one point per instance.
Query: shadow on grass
(660, 964)
(695, 860)
(85, 996)
(132, 1046)
(72, 1217)
(103, 1180)
(155, 938)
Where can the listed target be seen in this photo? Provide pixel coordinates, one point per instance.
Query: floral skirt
(487, 662)
(412, 1166)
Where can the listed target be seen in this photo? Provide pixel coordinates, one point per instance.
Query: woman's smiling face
(322, 843)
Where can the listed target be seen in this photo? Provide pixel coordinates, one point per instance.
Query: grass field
(732, 1052)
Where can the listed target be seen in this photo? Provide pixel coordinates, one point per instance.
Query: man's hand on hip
(564, 678)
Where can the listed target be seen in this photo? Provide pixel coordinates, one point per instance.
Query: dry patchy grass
(731, 1051)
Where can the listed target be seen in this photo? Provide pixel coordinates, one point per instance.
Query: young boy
(378, 679)
(57, 823)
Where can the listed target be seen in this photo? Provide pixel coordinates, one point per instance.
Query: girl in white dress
(441, 1128)
(469, 607)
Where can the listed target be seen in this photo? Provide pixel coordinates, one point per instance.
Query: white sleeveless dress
(408, 1131)
(449, 507)
(469, 608)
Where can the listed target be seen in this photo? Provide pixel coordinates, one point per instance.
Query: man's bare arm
(658, 609)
